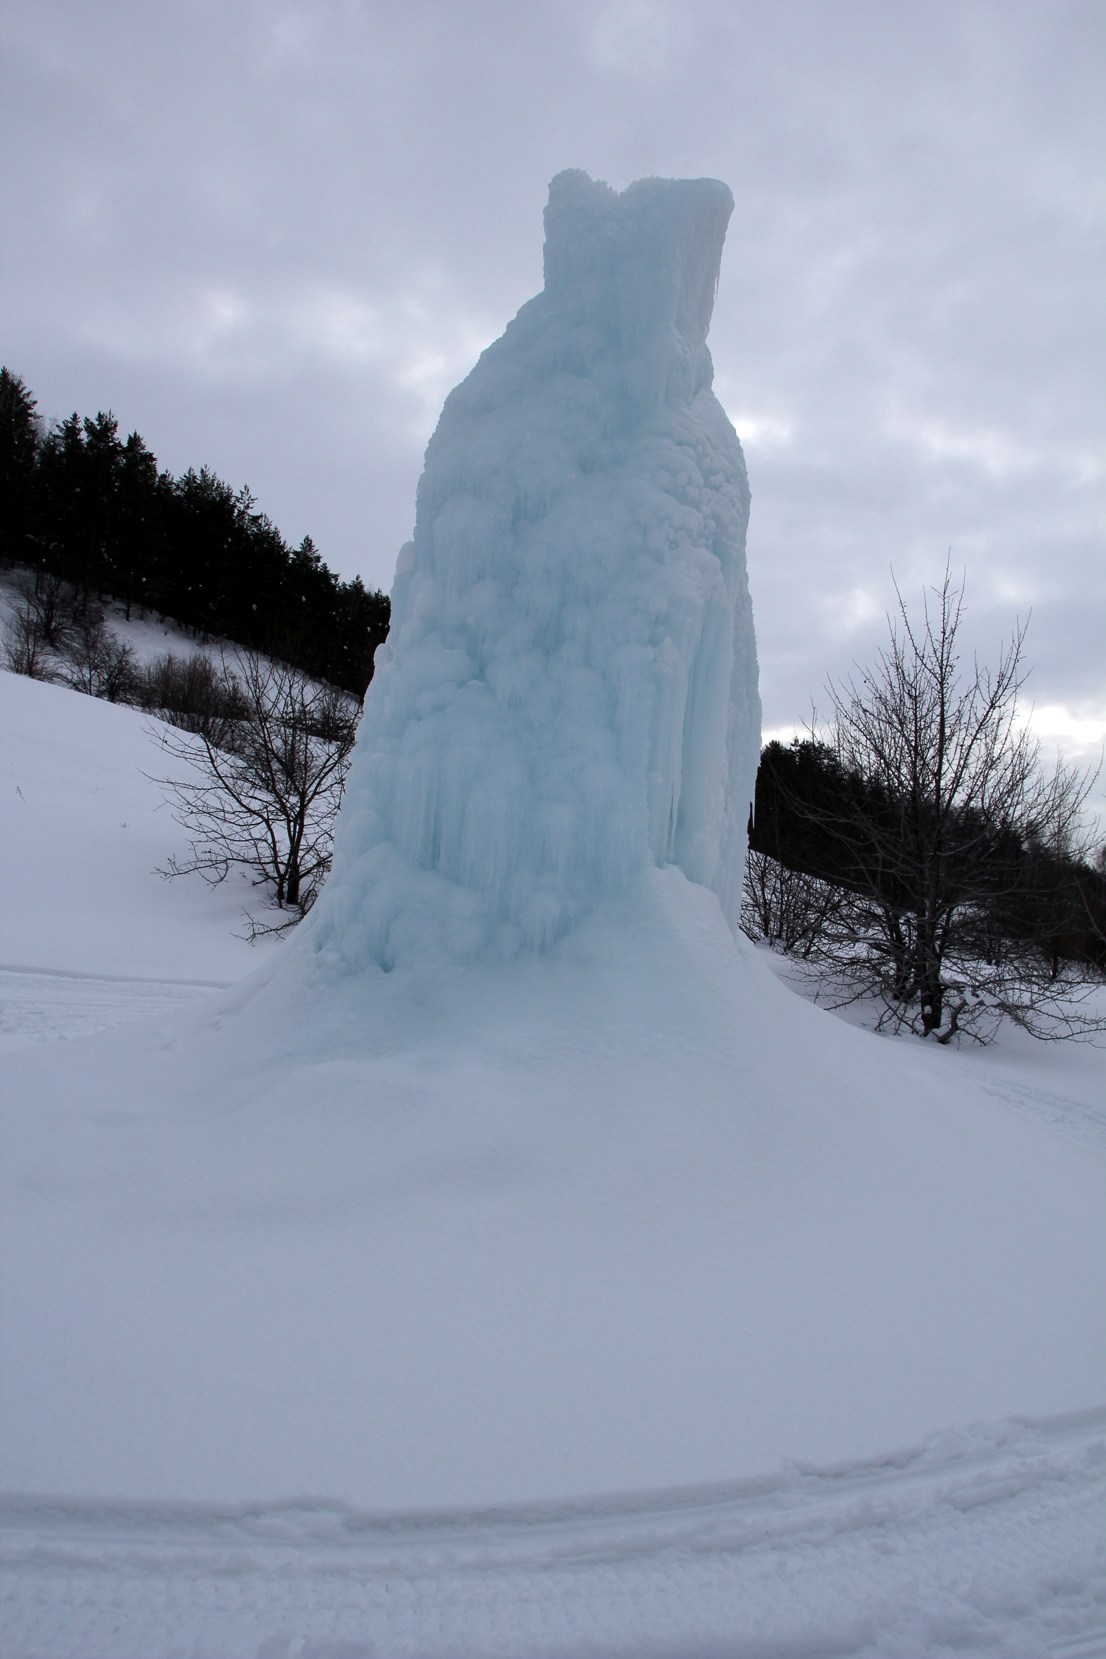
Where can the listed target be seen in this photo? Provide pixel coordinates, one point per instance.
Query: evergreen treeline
(80, 503)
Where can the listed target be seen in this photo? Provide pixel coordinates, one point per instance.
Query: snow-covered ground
(81, 816)
(627, 1306)
(980, 1543)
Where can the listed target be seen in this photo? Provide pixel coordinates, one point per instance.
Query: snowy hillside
(90, 932)
(702, 1237)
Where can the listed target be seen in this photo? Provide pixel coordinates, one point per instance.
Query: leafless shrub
(52, 601)
(194, 695)
(266, 795)
(40, 626)
(25, 647)
(786, 908)
(95, 661)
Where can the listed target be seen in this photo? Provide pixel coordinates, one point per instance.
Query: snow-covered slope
(494, 1237)
(85, 831)
(630, 1223)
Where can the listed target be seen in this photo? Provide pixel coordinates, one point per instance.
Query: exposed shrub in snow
(265, 784)
(40, 626)
(25, 647)
(93, 660)
(191, 693)
(788, 908)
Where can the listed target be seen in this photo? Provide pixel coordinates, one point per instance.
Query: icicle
(569, 689)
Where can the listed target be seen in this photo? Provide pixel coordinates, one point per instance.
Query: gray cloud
(272, 235)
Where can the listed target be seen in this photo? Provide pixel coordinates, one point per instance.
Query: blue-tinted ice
(569, 692)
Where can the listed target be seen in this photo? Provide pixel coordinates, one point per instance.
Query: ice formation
(569, 692)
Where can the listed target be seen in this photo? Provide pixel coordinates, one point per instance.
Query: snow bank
(569, 690)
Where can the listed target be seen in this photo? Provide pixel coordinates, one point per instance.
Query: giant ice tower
(569, 691)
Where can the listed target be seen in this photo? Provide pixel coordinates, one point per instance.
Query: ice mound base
(569, 692)
(634, 1217)
(518, 1176)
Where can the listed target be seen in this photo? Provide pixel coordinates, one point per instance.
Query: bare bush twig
(264, 788)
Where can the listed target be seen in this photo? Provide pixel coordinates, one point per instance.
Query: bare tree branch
(955, 854)
(265, 787)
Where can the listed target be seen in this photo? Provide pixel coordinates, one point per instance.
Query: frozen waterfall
(569, 691)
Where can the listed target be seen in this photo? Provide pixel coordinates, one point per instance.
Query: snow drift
(569, 691)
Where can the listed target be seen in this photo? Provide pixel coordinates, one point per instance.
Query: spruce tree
(19, 442)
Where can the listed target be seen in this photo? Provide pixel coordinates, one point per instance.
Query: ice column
(569, 691)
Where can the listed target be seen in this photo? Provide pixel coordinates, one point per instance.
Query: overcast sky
(272, 234)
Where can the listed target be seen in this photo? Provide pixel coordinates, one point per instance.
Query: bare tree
(26, 650)
(787, 908)
(945, 799)
(41, 625)
(266, 795)
(96, 661)
(53, 602)
(194, 695)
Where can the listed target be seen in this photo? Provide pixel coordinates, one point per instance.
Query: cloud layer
(271, 236)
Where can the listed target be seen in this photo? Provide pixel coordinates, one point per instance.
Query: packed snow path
(40, 1005)
(988, 1543)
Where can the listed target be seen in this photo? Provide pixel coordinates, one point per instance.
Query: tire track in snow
(986, 1542)
(44, 1005)
(1077, 1119)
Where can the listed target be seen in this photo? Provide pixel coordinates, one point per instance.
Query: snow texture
(978, 1545)
(635, 1220)
(569, 691)
(71, 898)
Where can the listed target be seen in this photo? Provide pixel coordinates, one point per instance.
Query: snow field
(530, 1275)
(485, 1264)
(984, 1543)
(81, 816)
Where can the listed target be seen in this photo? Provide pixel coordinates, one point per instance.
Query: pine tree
(103, 468)
(139, 528)
(19, 443)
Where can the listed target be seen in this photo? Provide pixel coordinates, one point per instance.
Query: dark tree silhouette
(82, 505)
(19, 442)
